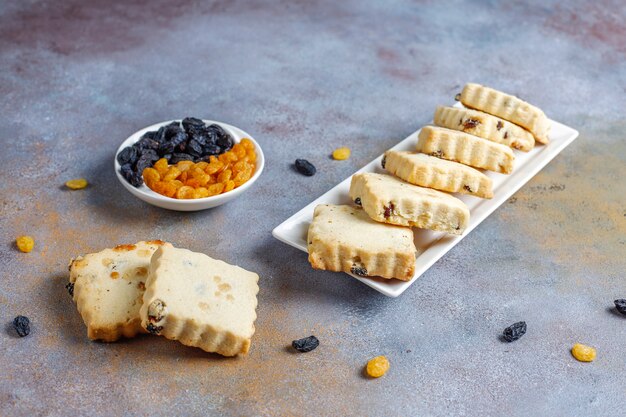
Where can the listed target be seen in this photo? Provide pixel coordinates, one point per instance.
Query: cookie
(345, 238)
(200, 301)
(431, 172)
(507, 107)
(390, 200)
(465, 148)
(485, 126)
(108, 289)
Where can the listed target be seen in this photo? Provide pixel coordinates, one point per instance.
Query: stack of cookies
(153, 287)
(375, 237)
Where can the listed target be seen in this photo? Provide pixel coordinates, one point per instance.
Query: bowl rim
(145, 191)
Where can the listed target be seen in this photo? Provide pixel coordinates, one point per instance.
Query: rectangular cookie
(465, 148)
(390, 200)
(485, 126)
(200, 301)
(345, 238)
(507, 107)
(108, 287)
(431, 172)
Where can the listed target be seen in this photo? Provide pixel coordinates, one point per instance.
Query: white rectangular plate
(433, 245)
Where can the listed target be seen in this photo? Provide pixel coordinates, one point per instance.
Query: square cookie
(200, 301)
(345, 238)
(390, 200)
(108, 287)
(440, 174)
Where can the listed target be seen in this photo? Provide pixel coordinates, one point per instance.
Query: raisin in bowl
(130, 174)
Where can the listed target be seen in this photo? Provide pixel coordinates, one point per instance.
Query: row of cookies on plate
(374, 238)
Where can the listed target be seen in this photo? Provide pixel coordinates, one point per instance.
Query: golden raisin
(583, 353)
(76, 184)
(247, 143)
(161, 166)
(25, 243)
(229, 185)
(215, 189)
(377, 367)
(184, 165)
(224, 176)
(150, 176)
(171, 174)
(185, 192)
(200, 192)
(341, 153)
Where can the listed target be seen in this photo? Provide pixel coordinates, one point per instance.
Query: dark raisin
(160, 135)
(150, 135)
(383, 161)
(128, 155)
(458, 97)
(192, 123)
(357, 201)
(150, 154)
(359, 270)
(194, 148)
(177, 157)
(306, 344)
(620, 305)
(175, 123)
(389, 210)
(500, 125)
(468, 188)
(506, 135)
(212, 149)
(147, 143)
(514, 331)
(304, 167)
(21, 324)
(154, 329)
(131, 176)
(70, 288)
(470, 123)
(172, 142)
(437, 154)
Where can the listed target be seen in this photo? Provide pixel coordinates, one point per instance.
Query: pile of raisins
(189, 140)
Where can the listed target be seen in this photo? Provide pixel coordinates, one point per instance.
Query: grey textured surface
(76, 78)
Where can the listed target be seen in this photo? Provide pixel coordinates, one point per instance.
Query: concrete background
(76, 78)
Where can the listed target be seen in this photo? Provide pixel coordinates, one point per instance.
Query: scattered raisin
(620, 305)
(359, 270)
(306, 344)
(457, 97)
(383, 161)
(377, 367)
(341, 153)
(437, 154)
(500, 125)
(506, 135)
(357, 201)
(76, 184)
(468, 188)
(583, 353)
(70, 288)
(470, 123)
(25, 243)
(514, 331)
(21, 324)
(304, 167)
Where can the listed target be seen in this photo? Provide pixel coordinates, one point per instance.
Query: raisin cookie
(345, 238)
(108, 288)
(200, 301)
(465, 148)
(507, 107)
(390, 200)
(485, 126)
(431, 172)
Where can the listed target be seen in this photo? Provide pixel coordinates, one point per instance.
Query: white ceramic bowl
(146, 194)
